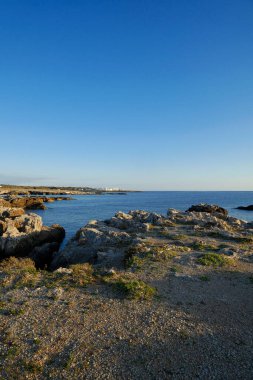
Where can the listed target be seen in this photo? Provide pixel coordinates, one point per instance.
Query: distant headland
(58, 190)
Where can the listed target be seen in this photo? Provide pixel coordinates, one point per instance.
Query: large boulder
(211, 209)
(98, 234)
(21, 233)
(89, 240)
(21, 244)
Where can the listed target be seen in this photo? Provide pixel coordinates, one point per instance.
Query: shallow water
(74, 214)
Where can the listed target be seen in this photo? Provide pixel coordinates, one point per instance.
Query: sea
(74, 214)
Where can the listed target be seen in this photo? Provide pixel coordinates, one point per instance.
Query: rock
(109, 258)
(138, 220)
(3, 227)
(100, 235)
(4, 203)
(72, 254)
(124, 221)
(246, 208)
(57, 293)
(28, 223)
(172, 212)
(20, 235)
(236, 222)
(28, 203)
(206, 220)
(228, 251)
(211, 209)
(95, 242)
(54, 233)
(64, 270)
(42, 255)
(8, 212)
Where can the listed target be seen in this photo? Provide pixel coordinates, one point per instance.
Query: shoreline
(170, 294)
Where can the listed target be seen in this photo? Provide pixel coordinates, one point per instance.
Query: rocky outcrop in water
(30, 203)
(23, 202)
(211, 209)
(246, 208)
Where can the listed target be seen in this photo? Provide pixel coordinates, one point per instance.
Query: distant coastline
(58, 190)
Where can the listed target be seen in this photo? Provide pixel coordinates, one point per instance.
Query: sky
(148, 95)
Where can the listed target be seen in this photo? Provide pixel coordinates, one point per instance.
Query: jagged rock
(28, 223)
(99, 235)
(172, 212)
(8, 212)
(19, 235)
(211, 209)
(138, 220)
(206, 220)
(91, 239)
(124, 221)
(28, 203)
(73, 254)
(4, 203)
(23, 202)
(150, 217)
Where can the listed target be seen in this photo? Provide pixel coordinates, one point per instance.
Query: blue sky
(137, 94)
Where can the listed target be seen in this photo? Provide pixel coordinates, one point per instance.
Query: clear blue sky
(131, 93)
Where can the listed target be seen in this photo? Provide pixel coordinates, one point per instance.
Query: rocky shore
(138, 296)
(23, 235)
(30, 203)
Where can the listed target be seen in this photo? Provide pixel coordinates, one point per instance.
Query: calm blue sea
(74, 214)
